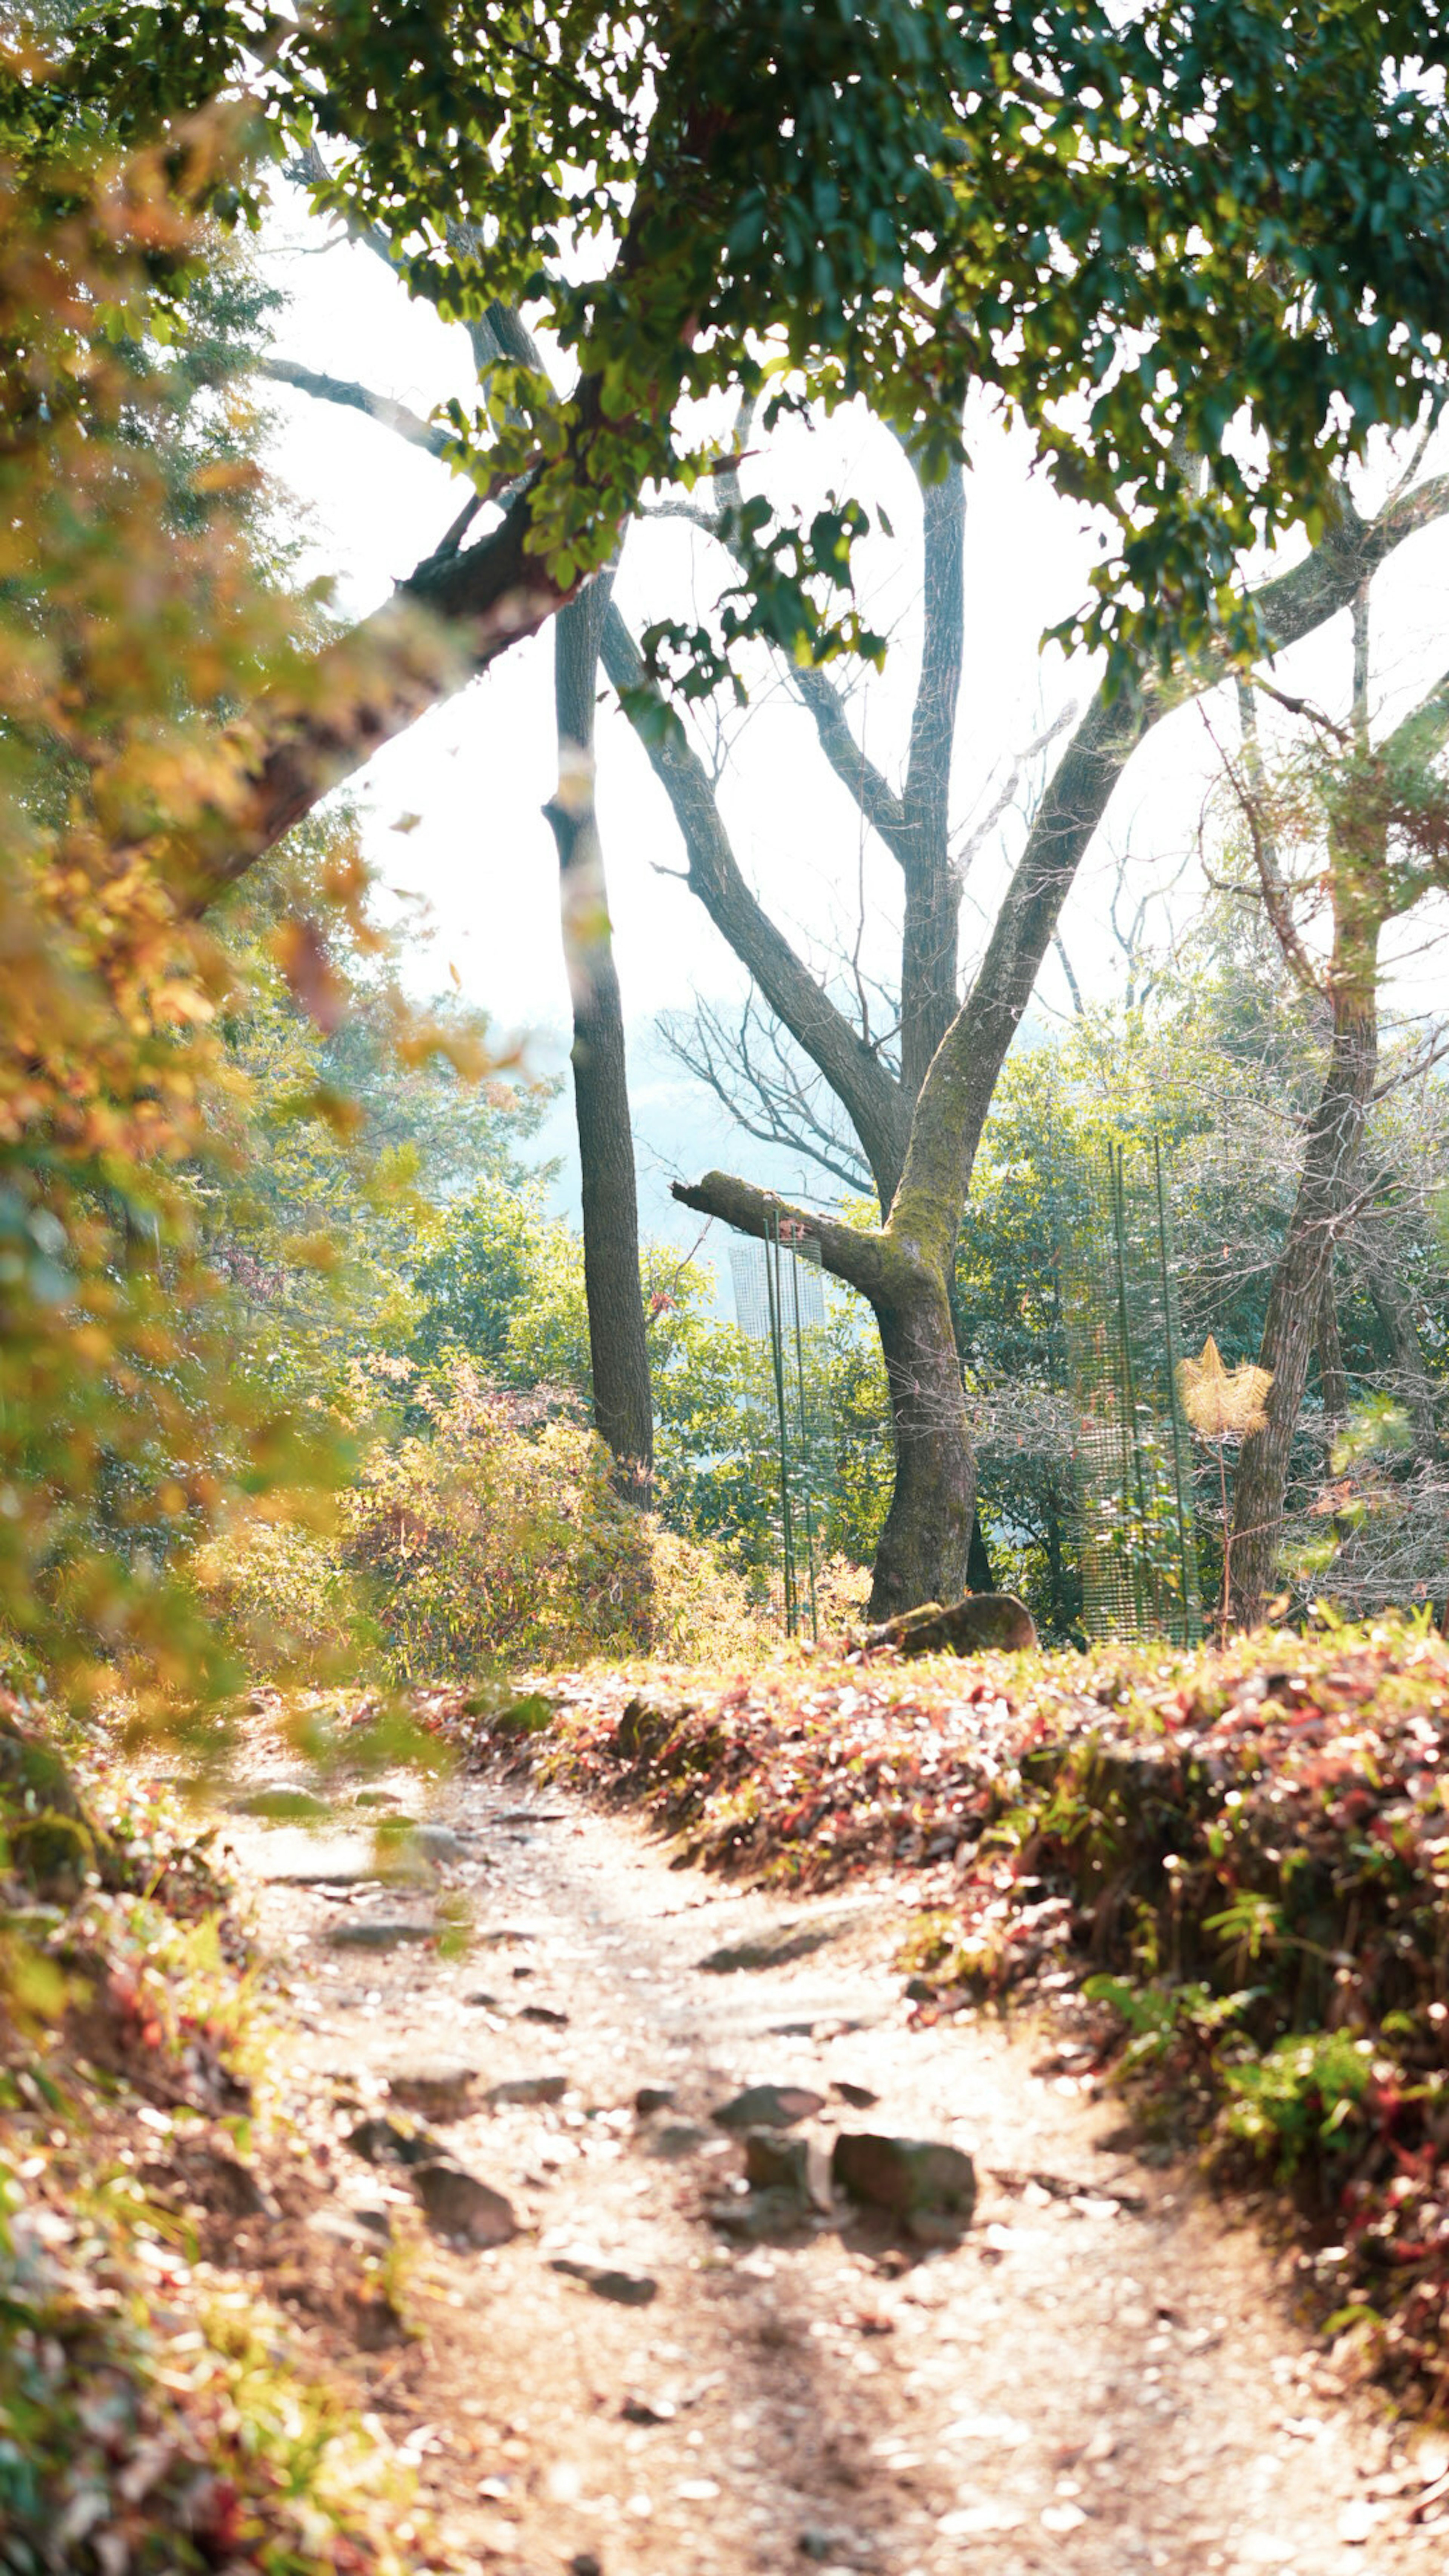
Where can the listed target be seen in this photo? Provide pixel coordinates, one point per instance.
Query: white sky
(477, 771)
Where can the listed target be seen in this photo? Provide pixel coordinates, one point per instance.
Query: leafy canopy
(1200, 246)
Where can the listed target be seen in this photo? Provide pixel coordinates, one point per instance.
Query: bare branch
(388, 414)
(871, 1100)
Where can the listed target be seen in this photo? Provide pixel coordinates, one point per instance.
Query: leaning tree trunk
(618, 1349)
(1295, 1300)
(925, 1546)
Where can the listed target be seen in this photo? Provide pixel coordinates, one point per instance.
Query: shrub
(494, 1538)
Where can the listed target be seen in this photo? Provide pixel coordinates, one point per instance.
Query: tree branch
(877, 799)
(388, 414)
(958, 1091)
(870, 1098)
(845, 1252)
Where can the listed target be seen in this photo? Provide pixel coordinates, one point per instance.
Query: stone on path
(776, 2162)
(769, 1949)
(768, 2106)
(677, 2138)
(439, 2086)
(379, 1935)
(434, 1842)
(983, 1623)
(909, 2176)
(626, 2289)
(526, 2089)
(458, 2204)
(392, 2142)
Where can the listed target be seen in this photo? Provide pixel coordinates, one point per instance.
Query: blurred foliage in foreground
(134, 610)
(152, 2416)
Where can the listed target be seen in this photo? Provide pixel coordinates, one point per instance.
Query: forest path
(1086, 2383)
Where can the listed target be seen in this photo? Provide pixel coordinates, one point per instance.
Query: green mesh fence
(1121, 1342)
(780, 1307)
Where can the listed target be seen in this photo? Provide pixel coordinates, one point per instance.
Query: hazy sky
(478, 865)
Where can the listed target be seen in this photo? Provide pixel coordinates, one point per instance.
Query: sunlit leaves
(1200, 249)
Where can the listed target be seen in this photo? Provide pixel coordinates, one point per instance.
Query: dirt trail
(1088, 2383)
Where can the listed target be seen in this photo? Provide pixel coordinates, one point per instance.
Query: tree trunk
(924, 1549)
(618, 1348)
(1295, 1299)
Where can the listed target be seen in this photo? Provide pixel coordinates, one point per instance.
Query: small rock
(768, 2106)
(859, 2096)
(584, 2563)
(776, 2162)
(392, 2142)
(653, 2097)
(907, 2175)
(436, 1842)
(761, 2218)
(816, 2544)
(982, 1623)
(350, 2226)
(544, 2013)
(438, 2087)
(379, 1935)
(458, 2204)
(224, 2184)
(647, 2410)
(769, 1949)
(677, 2138)
(482, 1999)
(1356, 2523)
(626, 2289)
(527, 2088)
(919, 1990)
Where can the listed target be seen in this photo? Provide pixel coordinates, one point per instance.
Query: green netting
(1121, 1342)
(780, 1307)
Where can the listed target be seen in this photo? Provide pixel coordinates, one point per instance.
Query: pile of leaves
(152, 2415)
(1231, 1867)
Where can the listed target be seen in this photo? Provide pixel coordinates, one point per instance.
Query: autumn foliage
(131, 615)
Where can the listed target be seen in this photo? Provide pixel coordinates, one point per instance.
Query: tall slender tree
(618, 1347)
(1363, 830)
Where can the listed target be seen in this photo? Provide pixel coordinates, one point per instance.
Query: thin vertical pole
(804, 1450)
(1132, 1442)
(772, 1291)
(1172, 1392)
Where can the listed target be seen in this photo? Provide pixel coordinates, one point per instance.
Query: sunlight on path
(1095, 2379)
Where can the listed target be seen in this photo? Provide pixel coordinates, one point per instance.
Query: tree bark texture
(1295, 1299)
(925, 1546)
(924, 1552)
(618, 1344)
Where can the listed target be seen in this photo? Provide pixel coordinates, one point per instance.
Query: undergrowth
(152, 2417)
(1231, 1868)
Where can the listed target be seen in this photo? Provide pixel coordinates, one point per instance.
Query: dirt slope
(1099, 2377)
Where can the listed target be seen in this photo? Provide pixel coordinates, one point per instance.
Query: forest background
(736, 328)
